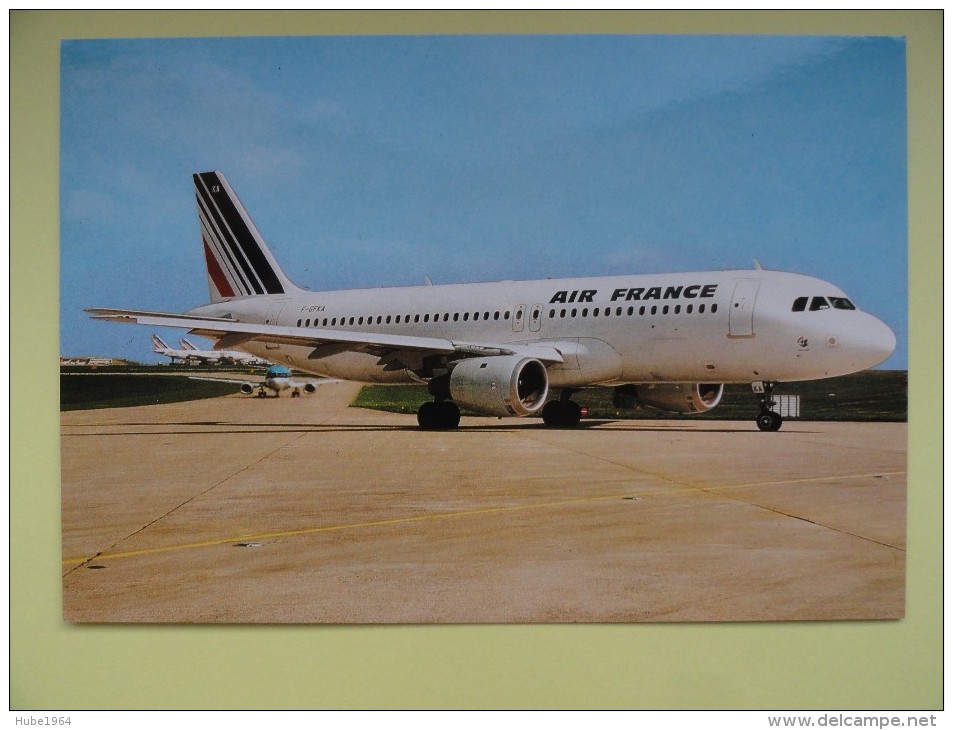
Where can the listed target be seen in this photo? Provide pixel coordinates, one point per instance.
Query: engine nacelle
(504, 385)
(672, 397)
(309, 388)
(247, 388)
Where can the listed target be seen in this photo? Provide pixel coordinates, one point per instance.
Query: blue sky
(377, 161)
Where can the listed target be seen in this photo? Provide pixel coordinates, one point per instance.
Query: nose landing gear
(767, 419)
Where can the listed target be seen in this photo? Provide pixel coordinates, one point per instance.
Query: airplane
(161, 348)
(524, 348)
(225, 357)
(277, 379)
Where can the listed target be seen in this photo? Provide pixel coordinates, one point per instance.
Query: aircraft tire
(573, 414)
(769, 421)
(562, 414)
(438, 416)
(427, 415)
(449, 414)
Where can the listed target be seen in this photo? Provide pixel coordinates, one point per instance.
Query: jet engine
(672, 397)
(247, 388)
(309, 388)
(503, 385)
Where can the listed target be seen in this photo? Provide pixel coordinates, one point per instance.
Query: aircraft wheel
(261, 394)
(435, 416)
(562, 414)
(769, 421)
(573, 414)
(552, 414)
(449, 414)
(427, 416)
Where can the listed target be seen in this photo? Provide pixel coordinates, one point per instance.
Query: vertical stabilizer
(237, 259)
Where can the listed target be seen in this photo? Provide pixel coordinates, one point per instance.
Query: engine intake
(672, 397)
(504, 385)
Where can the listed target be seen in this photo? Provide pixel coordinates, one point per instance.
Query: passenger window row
(505, 315)
(402, 318)
(630, 311)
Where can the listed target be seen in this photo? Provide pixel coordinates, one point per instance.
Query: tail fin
(186, 345)
(238, 261)
(158, 344)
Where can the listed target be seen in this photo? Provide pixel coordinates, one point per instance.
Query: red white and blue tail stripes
(158, 343)
(238, 261)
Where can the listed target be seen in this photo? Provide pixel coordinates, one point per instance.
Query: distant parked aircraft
(161, 348)
(224, 357)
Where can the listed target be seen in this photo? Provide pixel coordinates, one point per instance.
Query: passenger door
(741, 312)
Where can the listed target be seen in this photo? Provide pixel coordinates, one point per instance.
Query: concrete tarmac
(304, 510)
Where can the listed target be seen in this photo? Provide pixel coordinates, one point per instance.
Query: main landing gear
(562, 413)
(438, 415)
(767, 419)
(443, 415)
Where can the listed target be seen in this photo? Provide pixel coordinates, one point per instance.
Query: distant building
(90, 361)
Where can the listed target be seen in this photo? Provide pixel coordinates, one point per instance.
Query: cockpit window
(842, 303)
(819, 303)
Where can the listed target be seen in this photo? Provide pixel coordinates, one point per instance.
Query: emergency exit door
(535, 317)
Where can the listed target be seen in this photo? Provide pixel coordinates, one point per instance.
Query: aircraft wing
(229, 333)
(309, 386)
(262, 383)
(237, 381)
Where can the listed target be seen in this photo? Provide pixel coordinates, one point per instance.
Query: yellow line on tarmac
(875, 475)
(332, 528)
(444, 515)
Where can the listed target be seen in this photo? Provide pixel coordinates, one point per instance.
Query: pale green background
(54, 665)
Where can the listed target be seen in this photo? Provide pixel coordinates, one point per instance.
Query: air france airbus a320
(521, 348)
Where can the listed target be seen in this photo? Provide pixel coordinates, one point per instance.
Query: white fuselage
(225, 357)
(706, 327)
(277, 384)
(183, 355)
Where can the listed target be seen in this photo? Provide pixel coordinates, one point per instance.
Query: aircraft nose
(872, 341)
